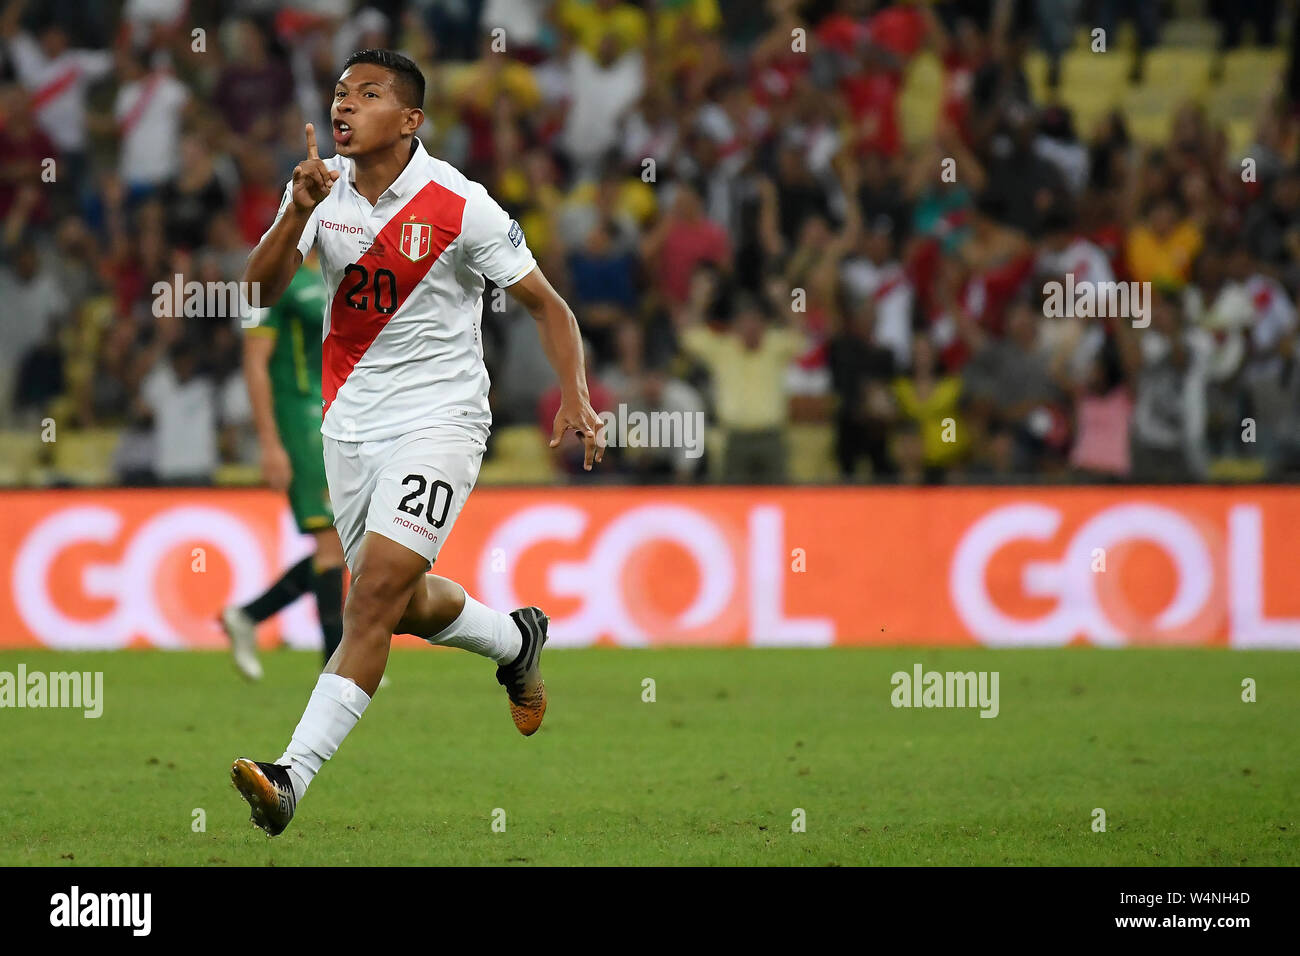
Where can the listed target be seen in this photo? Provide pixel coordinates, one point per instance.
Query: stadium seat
(812, 455)
(238, 475)
(1235, 470)
(19, 463)
(1250, 77)
(85, 457)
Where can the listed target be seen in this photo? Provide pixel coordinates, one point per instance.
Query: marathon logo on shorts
(516, 233)
(416, 527)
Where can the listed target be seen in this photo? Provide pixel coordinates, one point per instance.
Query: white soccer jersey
(401, 348)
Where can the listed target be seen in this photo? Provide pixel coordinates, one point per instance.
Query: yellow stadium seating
(21, 458)
(238, 474)
(812, 455)
(1246, 470)
(85, 457)
(1094, 84)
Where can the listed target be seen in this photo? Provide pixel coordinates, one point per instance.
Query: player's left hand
(577, 414)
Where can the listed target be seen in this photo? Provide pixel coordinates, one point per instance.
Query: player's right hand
(276, 467)
(578, 415)
(312, 179)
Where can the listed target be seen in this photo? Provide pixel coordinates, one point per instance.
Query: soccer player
(282, 360)
(405, 243)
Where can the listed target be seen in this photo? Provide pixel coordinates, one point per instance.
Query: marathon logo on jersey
(516, 233)
(341, 227)
(417, 240)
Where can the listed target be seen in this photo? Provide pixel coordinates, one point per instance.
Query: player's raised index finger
(311, 142)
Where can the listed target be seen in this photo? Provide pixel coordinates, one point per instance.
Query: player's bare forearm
(558, 328)
(562, 343)
(272, 264)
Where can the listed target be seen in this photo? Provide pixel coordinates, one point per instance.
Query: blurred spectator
(58, 78)
(455, 24)
(1274, 397)
(603, 85)
(40, 375)
(1163, 246)
(659, 397)
(935, 437)
(1272, 229)
(34, 306)
(603, 274)
(1103, 410)
(1009, 381)
(24, 149)
(862, 372)
(683, 240)
(1168, 436)
(524, 21)
(255, 85)
(1022, 184)
(181, 400)
(747, 365)
(149, 109)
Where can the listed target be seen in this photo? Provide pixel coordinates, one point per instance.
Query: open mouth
(342, 133)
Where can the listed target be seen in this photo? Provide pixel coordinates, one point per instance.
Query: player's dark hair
(409, 80)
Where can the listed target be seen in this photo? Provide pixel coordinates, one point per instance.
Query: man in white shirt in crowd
(148, 114)
(57, 77)
(35, 294)
(183, 403)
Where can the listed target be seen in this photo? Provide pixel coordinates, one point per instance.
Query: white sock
(483, 631)
(333, 710)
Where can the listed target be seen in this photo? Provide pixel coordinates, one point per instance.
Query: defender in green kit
(282, 367)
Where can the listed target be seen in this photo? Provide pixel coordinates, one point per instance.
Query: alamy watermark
(213, 300)
(923, 688)
(1086, 300)
(75, 908)
(640, 429)
(81, 690)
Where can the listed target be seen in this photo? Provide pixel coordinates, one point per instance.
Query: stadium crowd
(725, 195)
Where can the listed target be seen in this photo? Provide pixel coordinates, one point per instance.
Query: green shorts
(309, 494)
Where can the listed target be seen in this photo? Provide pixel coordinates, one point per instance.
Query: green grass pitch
(711, 772)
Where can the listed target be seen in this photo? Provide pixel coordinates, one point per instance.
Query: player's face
(367, 113)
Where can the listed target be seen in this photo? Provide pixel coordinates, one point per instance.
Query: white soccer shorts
(409, 489)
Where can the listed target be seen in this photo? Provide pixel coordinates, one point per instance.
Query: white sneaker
(242, 631)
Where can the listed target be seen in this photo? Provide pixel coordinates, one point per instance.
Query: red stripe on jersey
(353, 330)
(54, 88)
